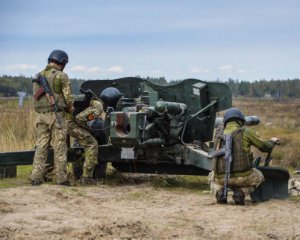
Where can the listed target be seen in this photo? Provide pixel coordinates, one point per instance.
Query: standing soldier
(243, 177)
(79, 129)
(53, 101)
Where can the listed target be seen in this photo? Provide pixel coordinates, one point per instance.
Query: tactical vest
(43, 105)
(241, 162)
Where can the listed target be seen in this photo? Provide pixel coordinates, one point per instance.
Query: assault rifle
(45, 89)
(228, 160)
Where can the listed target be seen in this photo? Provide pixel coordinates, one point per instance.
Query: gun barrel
(252, 120)
(249, 121)
(173, 108)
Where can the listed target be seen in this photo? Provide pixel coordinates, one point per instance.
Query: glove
(91, 123)
(275, 140)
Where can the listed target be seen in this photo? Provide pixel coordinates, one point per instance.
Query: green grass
(22, 179)
(295, 199)
(192, 183)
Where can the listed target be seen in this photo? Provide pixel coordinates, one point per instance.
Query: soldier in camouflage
(51, 128)
(243, 178)
(78, 129)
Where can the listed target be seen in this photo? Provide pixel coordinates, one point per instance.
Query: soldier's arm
(93, 111)
(219, 136)
(97, 107)
(255, 140)
(66, 89)
(85, 116)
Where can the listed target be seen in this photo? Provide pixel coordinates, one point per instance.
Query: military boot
(36, 182)
(221, 197)
(238, 196)
(65, 183)
(87, 181)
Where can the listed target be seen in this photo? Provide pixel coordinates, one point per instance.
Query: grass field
(278, 118)
(17, 125)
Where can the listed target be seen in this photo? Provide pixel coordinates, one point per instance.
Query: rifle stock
(39, 93)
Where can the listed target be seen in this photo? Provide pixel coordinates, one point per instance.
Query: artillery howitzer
(161, 129)
(158, 129)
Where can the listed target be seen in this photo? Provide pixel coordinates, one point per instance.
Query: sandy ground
(139, 212)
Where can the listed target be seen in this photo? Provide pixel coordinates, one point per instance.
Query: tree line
(288, 88)
(9, 85)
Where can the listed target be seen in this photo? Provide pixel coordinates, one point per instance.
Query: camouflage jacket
(95, 110)
(250, 138)
(60, 85)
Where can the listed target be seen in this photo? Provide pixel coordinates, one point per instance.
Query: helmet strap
(240, 122)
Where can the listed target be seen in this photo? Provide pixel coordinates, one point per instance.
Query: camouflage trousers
(246, 183)
(90, 145)
(50, 132)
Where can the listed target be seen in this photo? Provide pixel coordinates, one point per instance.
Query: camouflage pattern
(78, 129)
(294, 184)
(95, 109)
(50, 132)
(249, 179)
(241, 161)
(60, 85)
(250, 138)
(90, 145)
(246, 183)
(66, 88)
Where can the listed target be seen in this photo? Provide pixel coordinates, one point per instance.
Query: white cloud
(115, 69)
(96, 69)
(19, 67)
(197, 69)
(85, 69)
(79, 68)
(243, 70)
(226, 69)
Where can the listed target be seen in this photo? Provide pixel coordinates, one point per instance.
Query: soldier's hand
(275, 140)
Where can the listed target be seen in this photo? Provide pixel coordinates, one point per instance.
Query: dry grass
(17, 125)
(278, 118)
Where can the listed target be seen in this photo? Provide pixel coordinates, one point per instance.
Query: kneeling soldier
(78, 128)
(243, 177)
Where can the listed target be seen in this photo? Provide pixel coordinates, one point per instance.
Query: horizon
(168, 80)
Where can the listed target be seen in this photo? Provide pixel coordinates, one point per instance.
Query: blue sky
(177, 39)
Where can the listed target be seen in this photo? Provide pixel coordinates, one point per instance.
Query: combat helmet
(233, 113)
(58, 56)
(110, 96)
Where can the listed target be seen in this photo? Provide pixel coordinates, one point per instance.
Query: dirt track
(139, 212)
